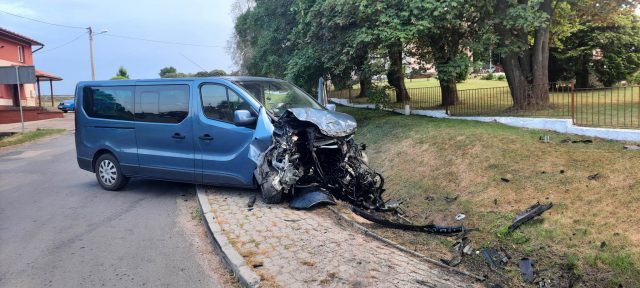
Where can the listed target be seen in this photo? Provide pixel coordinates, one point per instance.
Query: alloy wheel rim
(108, 173)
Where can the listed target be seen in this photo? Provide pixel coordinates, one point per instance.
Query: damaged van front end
(315, 158)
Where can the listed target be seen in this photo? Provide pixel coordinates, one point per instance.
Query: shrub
(378, 95)
(488, 77)
(501, 77)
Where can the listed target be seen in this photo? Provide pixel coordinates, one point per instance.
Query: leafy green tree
(168, 72)
(447, 29)
(121, 75)
(266, 28)
(606, 47)
(524, 31)
(217, 72)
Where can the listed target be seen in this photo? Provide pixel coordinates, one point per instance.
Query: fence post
(573, 104)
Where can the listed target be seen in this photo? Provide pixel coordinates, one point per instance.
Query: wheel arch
(99, 153)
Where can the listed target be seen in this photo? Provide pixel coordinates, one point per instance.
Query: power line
(65, 44)
(194, 63)
(112, 35)
(40, 21)
(162, 41)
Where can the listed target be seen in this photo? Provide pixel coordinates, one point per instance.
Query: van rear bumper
(85, 164)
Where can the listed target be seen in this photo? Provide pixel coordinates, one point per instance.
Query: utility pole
(93, 73)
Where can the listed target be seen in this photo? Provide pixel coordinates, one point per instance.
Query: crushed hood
(330, 123)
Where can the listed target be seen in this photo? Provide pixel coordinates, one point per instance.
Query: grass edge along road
(587, 236)
(20, 138)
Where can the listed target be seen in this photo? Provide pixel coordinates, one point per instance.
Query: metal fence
(617, 107)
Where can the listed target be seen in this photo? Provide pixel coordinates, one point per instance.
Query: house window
(20, 54)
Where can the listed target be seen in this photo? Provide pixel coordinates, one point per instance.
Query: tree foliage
(121, 75)
(172, 72)
(355, 40)
(608, 49)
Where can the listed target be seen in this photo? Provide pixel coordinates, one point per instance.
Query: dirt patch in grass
(427, 161)
(20, 138)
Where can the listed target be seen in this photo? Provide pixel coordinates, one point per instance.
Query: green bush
(635, 78)
(488, 77)
(501, 77)
(378, 95)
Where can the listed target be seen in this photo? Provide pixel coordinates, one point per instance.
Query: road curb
(232, 259)
(343, 218)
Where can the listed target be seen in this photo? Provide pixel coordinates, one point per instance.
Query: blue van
(197, 130)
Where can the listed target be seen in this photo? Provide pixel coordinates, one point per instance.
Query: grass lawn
(590, 234)
(20, 138)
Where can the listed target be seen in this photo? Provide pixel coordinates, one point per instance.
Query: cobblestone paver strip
(291, 248)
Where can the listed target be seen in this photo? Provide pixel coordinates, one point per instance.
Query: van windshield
(278, 96)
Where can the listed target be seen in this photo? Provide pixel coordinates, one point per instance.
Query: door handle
(178, 136)
(206, 137)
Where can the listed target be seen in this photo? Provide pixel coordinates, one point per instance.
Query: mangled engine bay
(314, 158)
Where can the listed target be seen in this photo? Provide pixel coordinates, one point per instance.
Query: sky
(203, 22)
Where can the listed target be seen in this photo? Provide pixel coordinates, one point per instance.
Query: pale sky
(205, 22)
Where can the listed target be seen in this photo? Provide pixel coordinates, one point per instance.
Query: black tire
(110, 177)
(269, 193)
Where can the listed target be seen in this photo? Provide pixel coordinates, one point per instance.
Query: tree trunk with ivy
(395, 74)
(449, 92)
(365, 85)
(527, 71)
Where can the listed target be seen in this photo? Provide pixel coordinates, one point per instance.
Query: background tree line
(302, 40)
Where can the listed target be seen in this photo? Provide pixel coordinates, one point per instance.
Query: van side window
(219, 102)
(162, 103)
(114, 102)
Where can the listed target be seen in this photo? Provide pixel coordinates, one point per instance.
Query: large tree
(524, 35)
(601, 44)
(522, 27)
(266, 28)
(444, 30)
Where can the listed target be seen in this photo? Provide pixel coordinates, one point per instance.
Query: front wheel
(270, 194)
(109, 174)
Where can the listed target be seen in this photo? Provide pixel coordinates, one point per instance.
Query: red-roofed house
(16, 50)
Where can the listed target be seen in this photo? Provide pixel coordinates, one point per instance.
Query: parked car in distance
(67, 105)
(195, 130)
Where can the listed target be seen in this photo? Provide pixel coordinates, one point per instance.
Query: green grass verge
(20, 138)
(425, 159)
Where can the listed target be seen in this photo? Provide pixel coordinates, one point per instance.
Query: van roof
(228, 78)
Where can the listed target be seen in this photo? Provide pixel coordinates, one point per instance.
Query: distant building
(16, 50)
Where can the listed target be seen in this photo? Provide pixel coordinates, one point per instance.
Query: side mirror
(331, 107)
(243, 118)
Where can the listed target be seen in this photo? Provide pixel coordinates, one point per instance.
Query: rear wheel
(109, 174)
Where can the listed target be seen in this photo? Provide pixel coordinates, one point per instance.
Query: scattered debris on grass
(631, 147)
(460, 217)
(496, 260)
(545, 139)
(505, 179)
(569, 140)
(450, 199)
(595, 176)
(531, 212)
(461, 247)
(526, 269)
(429, 228)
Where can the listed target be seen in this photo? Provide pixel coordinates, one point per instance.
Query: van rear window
(114, 102)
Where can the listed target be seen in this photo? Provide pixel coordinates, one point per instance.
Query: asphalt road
(58, 228)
